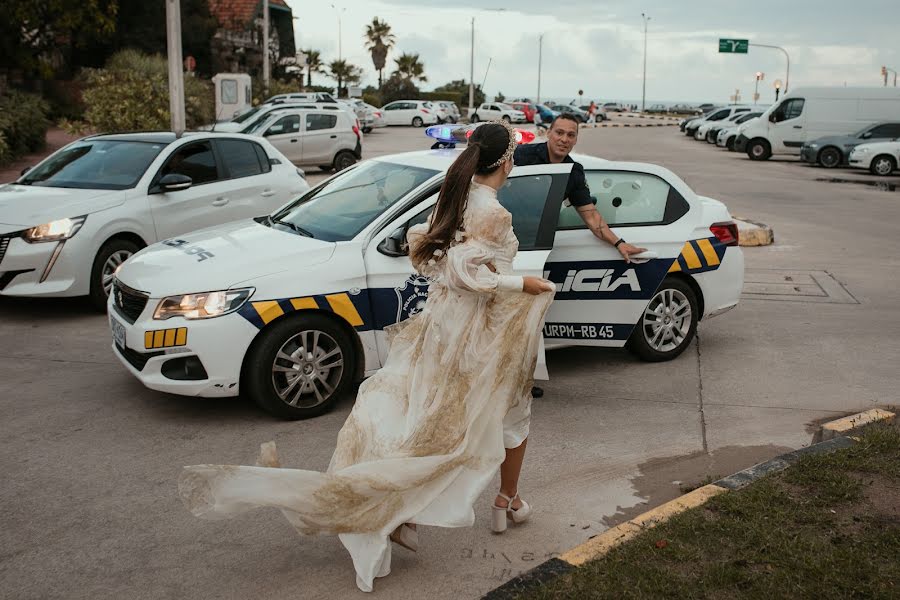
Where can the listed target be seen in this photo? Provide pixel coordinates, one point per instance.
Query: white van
(809, 113)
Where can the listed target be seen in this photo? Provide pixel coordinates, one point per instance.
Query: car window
(789, 109)
(628, 198)
(889, 130)
(240, 158)
(525, 198)
(719, 115)
(95, 164)
(194, 160)
(229, 91)
(345, 204)
(286, 124)
(263, 157)
(316, 122)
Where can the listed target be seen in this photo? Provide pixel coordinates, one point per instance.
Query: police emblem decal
(411, 296)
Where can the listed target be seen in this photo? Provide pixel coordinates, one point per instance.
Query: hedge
(23, 125)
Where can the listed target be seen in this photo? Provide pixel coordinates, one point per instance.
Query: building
(237, 44)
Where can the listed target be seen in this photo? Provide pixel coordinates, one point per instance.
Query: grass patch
(827, 527)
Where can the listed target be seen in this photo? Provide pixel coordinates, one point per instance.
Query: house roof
(237, 13)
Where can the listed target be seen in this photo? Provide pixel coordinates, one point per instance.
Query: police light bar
(452, 134)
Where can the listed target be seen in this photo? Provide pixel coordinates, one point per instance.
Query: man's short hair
(564, 117)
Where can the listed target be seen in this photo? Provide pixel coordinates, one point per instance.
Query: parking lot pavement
(90, 458)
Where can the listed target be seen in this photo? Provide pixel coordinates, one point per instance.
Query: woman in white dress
(451, 404)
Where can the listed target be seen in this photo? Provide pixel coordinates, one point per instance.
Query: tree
(344, 72)
(314, 64)
(410, 67)
(499, 97)
(379, 40)
(461, 87)
(398, 87)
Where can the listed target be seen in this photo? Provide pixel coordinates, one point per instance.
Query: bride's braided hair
(485, 152)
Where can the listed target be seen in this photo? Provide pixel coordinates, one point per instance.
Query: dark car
(834, 150)
(576, 112)
(599, 115)
(547, 113)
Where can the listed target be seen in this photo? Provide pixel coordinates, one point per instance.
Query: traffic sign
(733, 46)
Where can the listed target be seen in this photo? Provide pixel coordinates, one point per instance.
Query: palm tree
(314, 64)
(344, 72)
(379, 40)
(409, 67)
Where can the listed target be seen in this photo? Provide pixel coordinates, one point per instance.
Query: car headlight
(813, 146)
(205, 305)
(54, 231)
(861, 150)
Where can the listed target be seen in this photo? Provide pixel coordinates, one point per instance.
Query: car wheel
(417, 122)
(668, 323)
(830, 157)
(300, 367)
(111, 255)
(507, 119)
(344, 159)
(729, 143)
(367, 130)
(759, 149)
(474, 118)
(711, 137)
(882, 165)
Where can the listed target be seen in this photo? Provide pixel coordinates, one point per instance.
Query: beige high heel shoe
(406, 536)
(500, 514)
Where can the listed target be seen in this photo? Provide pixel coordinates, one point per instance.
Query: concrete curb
(601, 544)
(751, 233)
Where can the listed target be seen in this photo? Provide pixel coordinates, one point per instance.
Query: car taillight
(726, 233)
(356, 130)
(378, 114)
(425, 111)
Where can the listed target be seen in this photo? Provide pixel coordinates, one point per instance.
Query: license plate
(118, 332)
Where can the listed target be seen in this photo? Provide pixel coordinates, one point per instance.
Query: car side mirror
(25, 170)
(174, 182)
(395, 244)
(867, 135)
(772, 118)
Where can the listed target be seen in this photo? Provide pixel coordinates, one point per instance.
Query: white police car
(290, 308)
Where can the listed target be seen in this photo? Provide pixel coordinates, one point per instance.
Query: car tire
(883, 164)
(112, 254)
(675, 330)
(367, 130)
(729, 143)
(759, 149)
(474, 118)
(711, 137)
(830, 157)
(417, 122)
(507, 119)
(297, 388)
(343, 160)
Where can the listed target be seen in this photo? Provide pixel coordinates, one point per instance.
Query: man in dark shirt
(561, 138)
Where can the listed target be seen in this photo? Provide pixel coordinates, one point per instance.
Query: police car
(290, 308)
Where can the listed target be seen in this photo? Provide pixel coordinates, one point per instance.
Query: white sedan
(291, 309)
(67, 224)
(880, 158)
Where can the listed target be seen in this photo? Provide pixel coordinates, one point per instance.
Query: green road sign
(733, 46)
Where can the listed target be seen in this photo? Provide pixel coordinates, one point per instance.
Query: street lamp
(540, 50)
(777, 85)
(644, 86)
(472, 63)
(339, 11)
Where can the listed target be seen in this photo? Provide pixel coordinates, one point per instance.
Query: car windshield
(244, 116)
(344, 205)
(95, 164)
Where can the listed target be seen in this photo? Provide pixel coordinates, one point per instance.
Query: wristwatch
(621, 241)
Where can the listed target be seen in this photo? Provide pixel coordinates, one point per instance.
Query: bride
(451, 404)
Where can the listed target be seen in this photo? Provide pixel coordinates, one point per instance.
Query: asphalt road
(88, 505)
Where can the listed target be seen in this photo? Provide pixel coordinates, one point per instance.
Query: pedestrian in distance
(450, 406)
(540, 126)
(592, 113)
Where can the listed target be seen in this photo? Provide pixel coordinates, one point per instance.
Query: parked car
(881, 158)
(243, 123)
(409, 112)
(580, 115)
(527, 109)
(496, 111)
(717, 115)
(599, 113)
(300, 97)
(657, 109)
(323, 138)
(443, 115)
(369, 117)
(710, 129)
(67, 224)
(294, 306)
(614, 107)
(547, 113)
(833, 151)
(452, 111)
(728, 134)
(807, 114)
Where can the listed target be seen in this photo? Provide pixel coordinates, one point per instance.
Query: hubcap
(758, 150)
(667, 320)
(109, 268)
(883, 166)
(829, 159)
(307, 369)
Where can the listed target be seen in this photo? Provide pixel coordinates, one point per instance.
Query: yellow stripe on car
(690, 256)
(343, 306)
(709, 253)
(268, 310)
(165, 338)
(304, 303)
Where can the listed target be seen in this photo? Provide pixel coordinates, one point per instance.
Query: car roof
(152, 137)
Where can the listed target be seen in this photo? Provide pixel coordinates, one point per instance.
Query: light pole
(339, 11)
(265, 47)
(176, 75)
(540, 51)
(472, 63)
(644, 86)
(787, 75)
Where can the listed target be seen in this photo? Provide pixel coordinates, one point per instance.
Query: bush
(23, 124)
(373, 99)
(398, 88)
(132, 94)
(275, 87)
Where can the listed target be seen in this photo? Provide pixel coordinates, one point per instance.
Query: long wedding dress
(428, 431)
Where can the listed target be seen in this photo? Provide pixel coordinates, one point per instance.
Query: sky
(597, 47)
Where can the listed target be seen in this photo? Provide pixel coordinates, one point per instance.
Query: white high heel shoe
(500, 514)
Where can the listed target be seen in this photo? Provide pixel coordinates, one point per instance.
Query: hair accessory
(510, 150)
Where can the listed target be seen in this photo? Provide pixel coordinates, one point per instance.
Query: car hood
(887, 146)
(219, 258)
(837, 140)
(23, 206)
